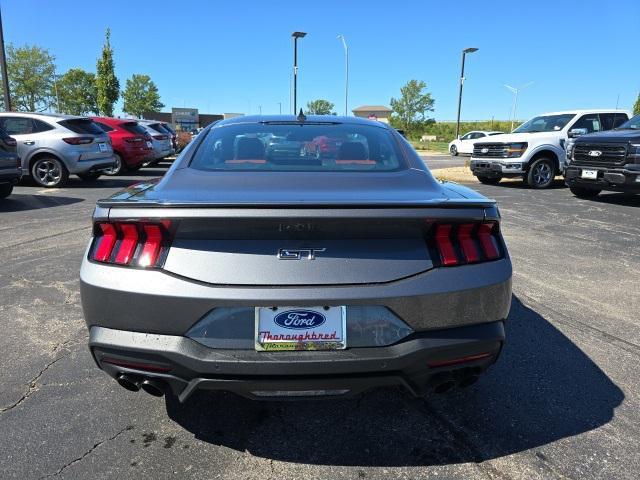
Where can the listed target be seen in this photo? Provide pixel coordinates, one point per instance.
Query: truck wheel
(541, 173)
(454, 151)
(49, 172)
(5, 190)
(582, 192)
(489, 180)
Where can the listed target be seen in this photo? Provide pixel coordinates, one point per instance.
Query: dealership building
(188, 119)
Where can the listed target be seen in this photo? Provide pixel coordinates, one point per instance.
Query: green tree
(107, 84)
(636, 107)
(320, 107)
(31, 71)
(411, 108)
(76, 93)
(140, 96)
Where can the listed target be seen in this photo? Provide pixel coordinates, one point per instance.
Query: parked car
(53, 146)
(607, 160)
(293, 278)
(172, 132)
(160, 139)
(131, 143)
(10, 164)
(535, 150)
(464, 144)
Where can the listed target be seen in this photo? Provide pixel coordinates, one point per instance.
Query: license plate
(149, 144)
(292, 328)
(590, 174)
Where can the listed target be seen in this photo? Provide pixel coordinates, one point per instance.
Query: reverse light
(135, 244)
(458, 244)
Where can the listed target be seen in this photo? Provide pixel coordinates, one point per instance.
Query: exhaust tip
(468, 381)
(130, 383)
(444, 386)
(153, 387)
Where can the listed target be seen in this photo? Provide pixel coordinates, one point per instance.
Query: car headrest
(250, 148)
(352, 151)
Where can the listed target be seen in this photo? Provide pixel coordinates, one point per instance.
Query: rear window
(135, 128)
(298, 147)
(157, 127)
(82, 125)
(104, 126)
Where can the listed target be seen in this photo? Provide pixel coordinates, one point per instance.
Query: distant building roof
(370, 108)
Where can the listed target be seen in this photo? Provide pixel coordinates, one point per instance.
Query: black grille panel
(493, 150)
(610, 153)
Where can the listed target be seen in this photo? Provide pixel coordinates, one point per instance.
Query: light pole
(5, 76)
(515, 99)
(346, 74)
(280, 107)
(464, 55)
(296, 36)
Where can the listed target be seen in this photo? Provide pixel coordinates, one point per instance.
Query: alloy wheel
(48, 172)
(117, 168)
(542, 173)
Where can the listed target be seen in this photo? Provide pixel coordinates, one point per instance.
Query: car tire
(5, 190)
(453, 151)
(582, 192)
(89, 176)
(542, 173)
(49, 172)
(117, 169)
(489, 180)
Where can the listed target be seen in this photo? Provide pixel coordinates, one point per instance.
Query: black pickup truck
(605, 161)
(10, 167)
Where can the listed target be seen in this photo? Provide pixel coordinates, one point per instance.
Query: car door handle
(29, 142)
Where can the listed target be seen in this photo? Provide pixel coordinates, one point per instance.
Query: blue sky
(235, 56)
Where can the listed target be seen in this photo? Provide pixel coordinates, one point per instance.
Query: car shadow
(543, 389)
(623, 199)
(19, 202)
(520, 184)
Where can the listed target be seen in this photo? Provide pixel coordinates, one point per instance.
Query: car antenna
(301, 117)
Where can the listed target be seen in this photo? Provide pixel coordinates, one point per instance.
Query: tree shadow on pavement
(18, 202)
(542, 389)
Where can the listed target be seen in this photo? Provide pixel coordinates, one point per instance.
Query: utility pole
(464, 54)
(5, 75)
(346, 74)
(296, 36)
(280, 107)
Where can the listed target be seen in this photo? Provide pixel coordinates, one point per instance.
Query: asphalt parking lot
(562, 402)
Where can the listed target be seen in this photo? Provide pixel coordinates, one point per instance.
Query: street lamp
(515, 99)
(296, 36)
(464, 54)
(346, 74)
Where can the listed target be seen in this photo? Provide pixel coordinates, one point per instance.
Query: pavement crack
(88, 452)
(33, 385)
(32, 240)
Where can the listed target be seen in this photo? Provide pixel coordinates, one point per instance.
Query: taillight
(464, 243)
(133, 139)
(160, 137)
(139, 244)
(10, 141)
(78, 140)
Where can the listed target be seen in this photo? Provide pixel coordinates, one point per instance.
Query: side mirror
(576, 132)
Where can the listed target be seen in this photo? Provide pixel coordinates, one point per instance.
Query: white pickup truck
(535, 150)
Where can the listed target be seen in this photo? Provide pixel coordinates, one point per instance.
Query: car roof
(582, 111)
(114, 121)
(308, 118)
(52, 116)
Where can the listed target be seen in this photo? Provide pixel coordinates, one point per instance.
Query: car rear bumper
(10, 175)
(417, 363)
(613, 179)
(93, 165)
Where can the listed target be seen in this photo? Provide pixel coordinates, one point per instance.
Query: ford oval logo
(484, 150)
(594, 153)
(299, 319)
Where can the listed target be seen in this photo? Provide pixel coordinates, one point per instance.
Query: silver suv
(53, 146)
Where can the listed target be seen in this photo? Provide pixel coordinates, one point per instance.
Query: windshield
(545, 123)
(298, 147)
(632, 124)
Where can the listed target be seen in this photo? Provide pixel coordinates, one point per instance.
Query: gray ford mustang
(276, 272)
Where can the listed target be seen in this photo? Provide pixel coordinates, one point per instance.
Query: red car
(131, 143)
(323, 146)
